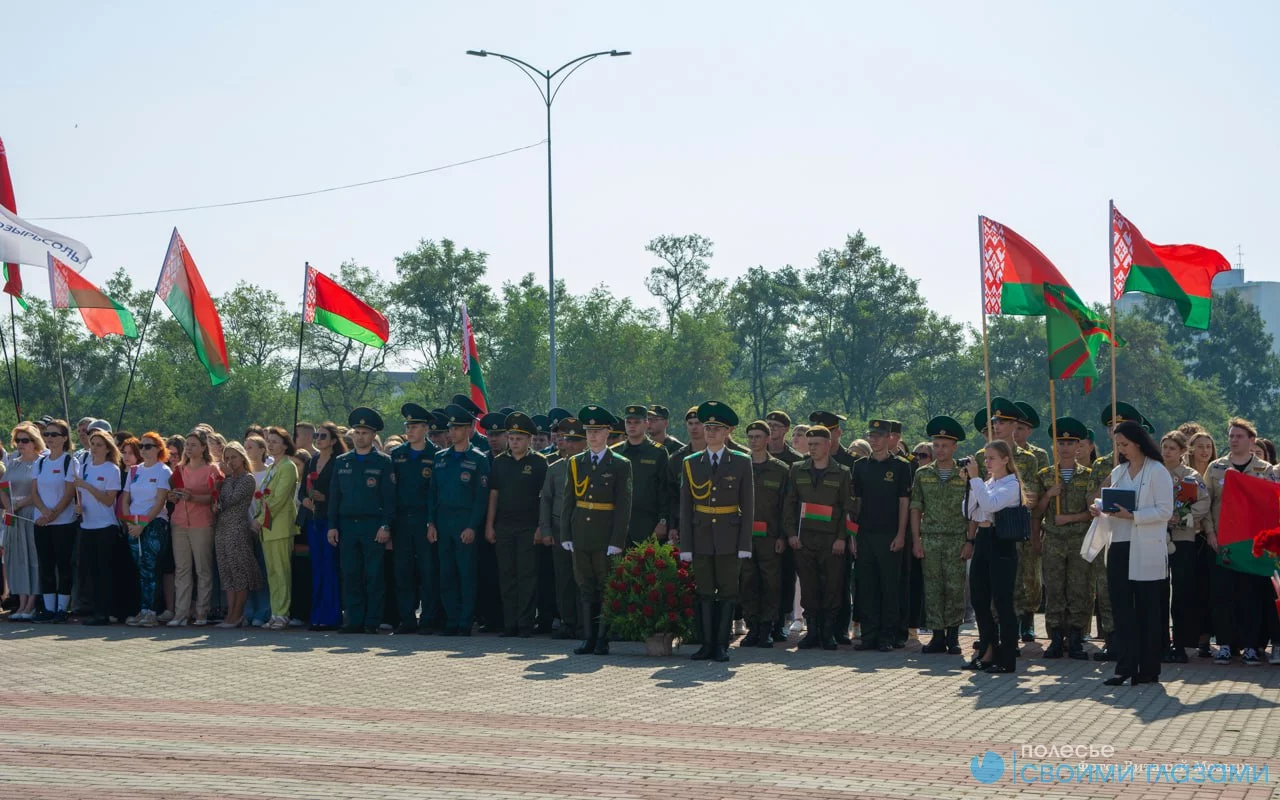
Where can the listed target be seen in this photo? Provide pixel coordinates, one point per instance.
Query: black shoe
(509, 633)
(707, 618)
(1179, 657)
(898, 644)
(1203, 651)
(541, 628)
(779, 632)
(43, 616)
(724, 628)
(885, 647)
(1027, 626)
(406, 627)
(937, 643)
(999, 669)
(1115, 680)
(977, 665)
(1139, 681)
(602, 637)
(371, 629)
(464, 631)
(953, 640)
(351, 629)
(97, 621)
(1075, 646)
(752, 639)
(1055, 648)
(565, 632)
(813, 632)
(843, 638)
(766, 640)
(828, 632)
(1106, 653)
(588, 618)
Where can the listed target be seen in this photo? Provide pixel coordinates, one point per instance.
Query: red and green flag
(1249, 506)
(182, 289)
(1182, 273)
(471, 364)
(816, 512)
(102, 315)
(1074, 334)
(12, 274)
(331, 306)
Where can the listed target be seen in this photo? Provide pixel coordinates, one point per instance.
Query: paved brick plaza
(191, 713)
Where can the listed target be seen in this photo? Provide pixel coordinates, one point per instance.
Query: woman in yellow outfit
(275, 521)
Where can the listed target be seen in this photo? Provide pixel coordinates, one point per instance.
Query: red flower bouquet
(649, 594)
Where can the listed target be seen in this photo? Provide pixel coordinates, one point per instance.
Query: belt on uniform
(718, 510)
(595, 506)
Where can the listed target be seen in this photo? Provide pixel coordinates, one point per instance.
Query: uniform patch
(371, 482)
(465, 476)
(888, 476)
(528, 470)
(648, 461)
(426, 472)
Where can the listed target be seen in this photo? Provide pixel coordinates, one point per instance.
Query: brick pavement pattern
(193, 714)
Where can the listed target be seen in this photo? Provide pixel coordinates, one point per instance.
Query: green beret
(759, 425)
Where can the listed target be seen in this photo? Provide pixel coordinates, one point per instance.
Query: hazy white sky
(775, 129)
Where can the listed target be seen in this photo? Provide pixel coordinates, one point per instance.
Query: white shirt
(144, 485)
(716, 456)
(104, 477)
(596, 458)
(52, 477)
(985, 499)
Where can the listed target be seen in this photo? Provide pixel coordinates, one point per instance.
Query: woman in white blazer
(1138, 557)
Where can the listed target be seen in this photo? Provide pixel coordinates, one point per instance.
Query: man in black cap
(697, 443)
(882, 486)
(456, 508)
(362, 506)
(554, 417)
(493, 424)
(848, 600)
(650, 492)
(542, 432)
(489, 605)
(657, 419)
(573, 439)
(414, 557)
(911, 585)
(438, 430)
(517, 479)
(778, 445)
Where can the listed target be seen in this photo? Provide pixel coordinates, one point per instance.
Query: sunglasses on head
(148, 446)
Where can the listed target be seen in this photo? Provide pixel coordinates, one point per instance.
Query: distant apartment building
(1262, 295)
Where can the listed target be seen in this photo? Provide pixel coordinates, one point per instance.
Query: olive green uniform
(760, 575)
(1068, 578)
(594, 517)
(943, 527)
(551, 503)
(717, 509)
(787, 560)
(819, 570)
(650, 487)
(1101, 469)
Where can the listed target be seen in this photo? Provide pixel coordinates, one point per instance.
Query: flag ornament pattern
(331, 306)
(1074, 335)
(471, 365)
(1015, 272)
(12, 274)
(102, 315)
(183, 291)
(1182, 273)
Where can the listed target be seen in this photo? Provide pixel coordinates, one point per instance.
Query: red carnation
(647, 611)
(650, 579)
(688, 600)
(673, 616)
(636, 588)
(672, 602)
(635, 570)
(660, 564)
(631, 608)
(616, 605)
(682, 574)
(688, 612)
(653, 596)
(620, 571)
(669, 587)
(648, 552)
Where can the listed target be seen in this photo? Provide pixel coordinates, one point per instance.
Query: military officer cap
(759, 425)
(1004, 408)
(879, 427)
(1069, 429)
(493, 422)
(692, 413)
(462, 401)
(363, 417)
(439, 421)
(635, 412)
(556, 414)
(713, 412)
(519, 422)
(1124, 413)
(980, 421)
(661, 412)
(616, 429)
(540, 423)
(458, 416)
(571, 428)
(895, 427)
(778, 416)
(1032, 418)
(826, 419)
(818, 431)
(944, 427)
(506, 410)
(1091, 435)
(596, 417)
(412, 412)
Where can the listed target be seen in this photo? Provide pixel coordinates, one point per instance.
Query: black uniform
(879, 486)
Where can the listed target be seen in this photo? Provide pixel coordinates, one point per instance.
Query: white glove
(613, 551)
(567, 546)
(686, 557)
(744, 554)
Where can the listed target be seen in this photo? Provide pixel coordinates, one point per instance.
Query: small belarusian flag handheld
(816, 512)
(759, 528)
(329, 305)
(850, 527)
(102, 315)
(135, 519)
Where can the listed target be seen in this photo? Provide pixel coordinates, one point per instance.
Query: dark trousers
(991, 576)
(417, 574)
(517, 575)
(910, 591)
(1240, 608)
(97, 549)
(848, 594)
(878, 579)
(786, 583)
(819, 572)
(363, 571)
(1205, 562)
(488, 595)
(1186, 605)
(1139, 609)
(546, 598)
(54, 547)
(458, 574)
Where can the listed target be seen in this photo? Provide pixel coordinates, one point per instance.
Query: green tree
(518, 367)
(763, 312)
(607, 348)
(682, 273)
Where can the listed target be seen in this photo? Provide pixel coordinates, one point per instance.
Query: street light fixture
(542, 79)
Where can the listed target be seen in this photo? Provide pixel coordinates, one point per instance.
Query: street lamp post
(542, 79)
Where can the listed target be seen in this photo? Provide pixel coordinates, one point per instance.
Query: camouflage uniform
(942, 532)
(1101, 470)
(1068, 578)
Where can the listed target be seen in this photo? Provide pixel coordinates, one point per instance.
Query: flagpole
(1053, 430)
(17, 381)
(1111, 294)
(982, 300)
(142, 336)
(302, 328)
(62, 377)
(4, 347)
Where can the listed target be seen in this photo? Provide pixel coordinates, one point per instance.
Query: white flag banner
(24, 243)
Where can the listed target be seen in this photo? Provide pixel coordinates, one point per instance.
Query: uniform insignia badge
(465, 477)
(426, 472)
(371, 482)
(888, 476)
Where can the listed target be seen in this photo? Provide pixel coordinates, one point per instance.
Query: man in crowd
(882, 486)
(938, 530)
(779, 447)
(517, 478)
(414, 557)
(760, 578)
(573, 439)
(657, 419)
(456, 508)
(848, 595)
(651, 491)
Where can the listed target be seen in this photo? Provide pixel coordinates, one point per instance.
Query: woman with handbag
(1138, 556)
(999, 499)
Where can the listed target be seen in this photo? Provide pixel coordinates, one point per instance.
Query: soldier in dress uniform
(414, 557)
(593, 521)
(616, 432)
(848, 592)
(362, 506)
(657, 419)
(1064, 521)
(650, 488)
(768, 540)
(1022, 432)
(438, 429)
(717, 509)
(456, 509)
(938, 535)
(554, 417)
(779, 447)
(573, 439)
(492, 425)
(513, 527)
(697, 442)
(882, 487)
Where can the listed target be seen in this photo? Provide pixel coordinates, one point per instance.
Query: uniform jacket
(1075, 497)
(459, 489)
(834, 488)
(362, 487)
(650, 478)
(726, 530)
(551, 500)
(607, 484)
(413, 476)
(940, 503)
(770, 479)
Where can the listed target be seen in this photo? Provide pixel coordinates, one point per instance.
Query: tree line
(851, 332)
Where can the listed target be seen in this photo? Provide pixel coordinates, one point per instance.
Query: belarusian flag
(816, 512)
(182, 289)
(1182, 273)
(1015, 273)
(1249, 505)
(330, 306)
(101, 314)
(1074, 334)
(12, 275)
(471, 364)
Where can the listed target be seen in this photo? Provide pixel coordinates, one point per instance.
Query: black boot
(1106, 653)
(813, 632)
(602, 635)
(724, 627)
(1054, 650)
(707, 616)
(779, 632)
(588, 613)
(1027, 626)
(829, 631)
(953, 640)
(766, 635)
(754, 629)
(937, 643)
(1075, 645)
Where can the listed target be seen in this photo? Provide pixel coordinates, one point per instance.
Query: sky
(774, 129)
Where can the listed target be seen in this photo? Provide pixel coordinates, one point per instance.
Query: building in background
(1262, 295)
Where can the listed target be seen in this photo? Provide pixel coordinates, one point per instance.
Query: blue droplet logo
(987, 768)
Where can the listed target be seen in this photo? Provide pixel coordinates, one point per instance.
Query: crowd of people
(507, 522)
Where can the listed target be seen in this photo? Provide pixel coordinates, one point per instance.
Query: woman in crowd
(275, 523)
(256, 448)
(1265, 449)
(22, 568)
(1137, 558)
(234, 539)
(800, 439)
(56, 528)
(1202, 450)
(923, 454)
(216, 442)
(994, 562)
(130, 453)
(145, 492)
(175, 445)
(326, 605)
(98, 484)
(1190, 609)
(258, 608)
(191, 530)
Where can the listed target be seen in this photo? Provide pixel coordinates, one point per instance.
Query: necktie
(595, 459)
(715, 463)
